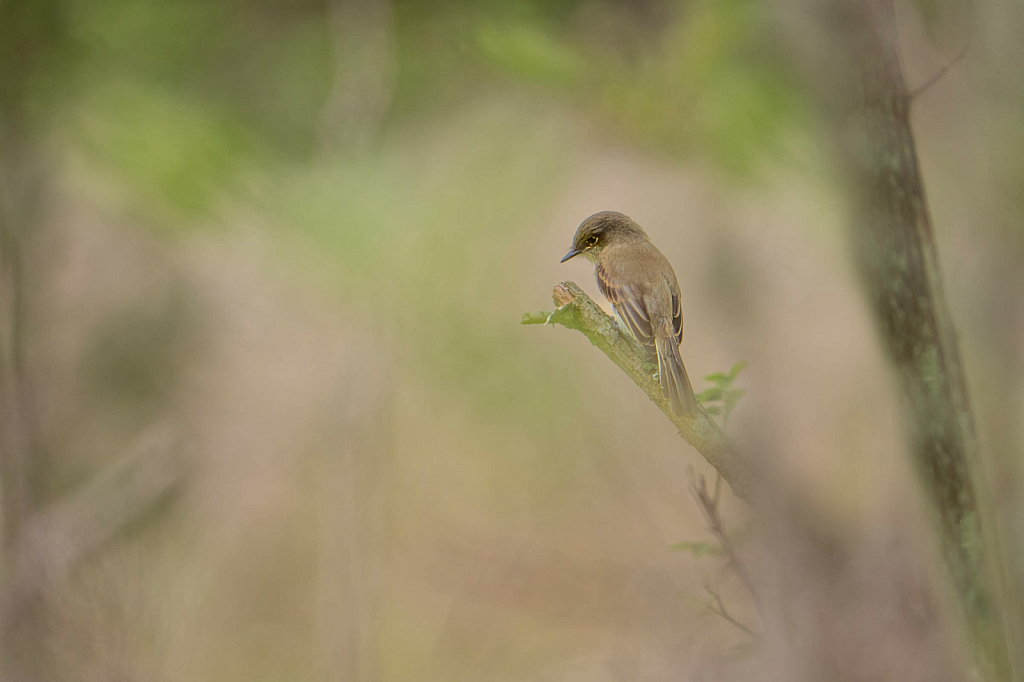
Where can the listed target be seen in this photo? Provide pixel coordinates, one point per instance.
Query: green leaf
(716, 377)
(710, 394)
(737, 368)
(713, 410)
(732, 397)
(699, 548)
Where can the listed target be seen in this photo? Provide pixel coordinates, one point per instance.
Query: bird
(642, 287)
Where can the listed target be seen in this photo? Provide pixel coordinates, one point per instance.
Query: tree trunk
(895, 253)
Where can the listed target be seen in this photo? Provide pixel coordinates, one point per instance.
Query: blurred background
(263, 269)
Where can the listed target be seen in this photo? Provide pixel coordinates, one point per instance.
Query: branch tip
(576, 310)
(919, 90)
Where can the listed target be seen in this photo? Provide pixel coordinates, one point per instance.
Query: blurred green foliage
(182, 110)
(183, 116)
(177, 97)
(186, 108)
(721, 398)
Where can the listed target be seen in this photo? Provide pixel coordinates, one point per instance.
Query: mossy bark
(578, 311)
(895, 252)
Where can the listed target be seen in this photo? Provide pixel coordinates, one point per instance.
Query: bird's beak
(572, 254)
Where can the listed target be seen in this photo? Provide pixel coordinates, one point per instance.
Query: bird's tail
(675, 384)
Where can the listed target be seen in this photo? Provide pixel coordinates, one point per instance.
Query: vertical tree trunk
(29, 32)
(14, 436)
(895, 252)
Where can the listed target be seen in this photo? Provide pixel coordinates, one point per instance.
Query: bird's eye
(592, 240)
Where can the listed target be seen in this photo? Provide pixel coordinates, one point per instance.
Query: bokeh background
(296, 238)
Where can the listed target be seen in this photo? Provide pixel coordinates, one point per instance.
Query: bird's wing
(677, 318)
(629, 305)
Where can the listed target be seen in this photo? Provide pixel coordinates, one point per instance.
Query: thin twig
(58, 538)
(576, 310)
(724, 613)
(938, 76)
(713, 517)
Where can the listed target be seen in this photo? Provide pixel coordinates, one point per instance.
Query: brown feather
(639, 282)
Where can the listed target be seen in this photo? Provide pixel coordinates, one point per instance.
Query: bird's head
(599, 231)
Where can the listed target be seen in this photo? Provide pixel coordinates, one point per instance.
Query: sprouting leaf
(732, 397)
(709, 394)
(737, 368)
(699, 548)
(722, 392)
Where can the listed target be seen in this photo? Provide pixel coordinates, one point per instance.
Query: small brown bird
(640, 283)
